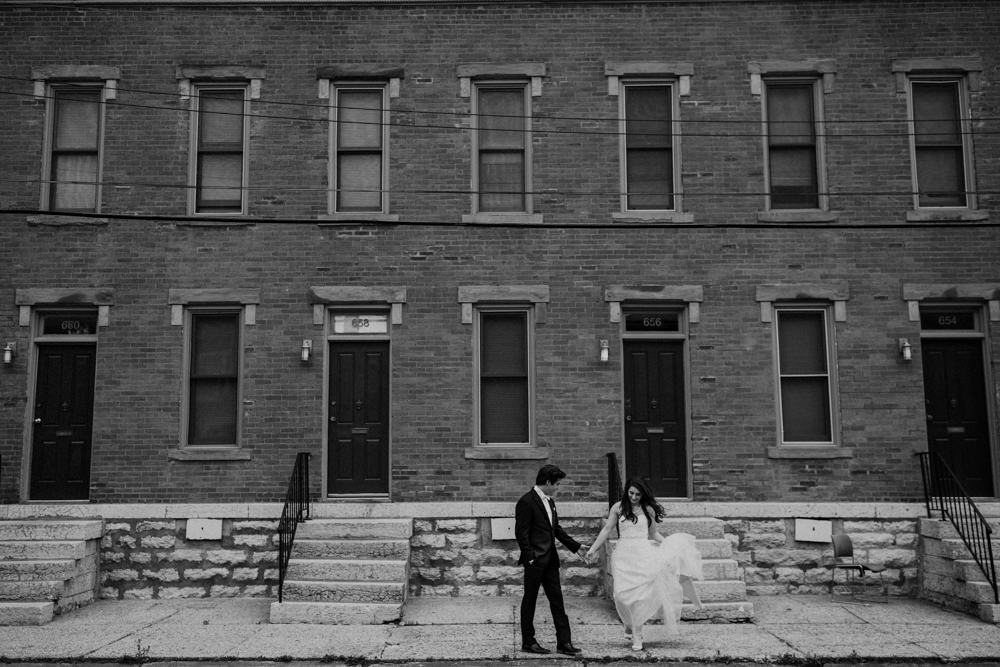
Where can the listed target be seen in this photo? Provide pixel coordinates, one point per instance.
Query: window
(939, 142)
(213, 377)
(504, 382)
(647, 146)
(793, 179)
(805, 388)
(501, 113)
(220, 155)
(75, 142)
(360, 137)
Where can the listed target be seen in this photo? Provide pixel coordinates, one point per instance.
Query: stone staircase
(47, 567)
(346, 571)
(948, 574)
(723, 592)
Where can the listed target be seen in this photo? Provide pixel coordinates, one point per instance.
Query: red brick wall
(578, 410)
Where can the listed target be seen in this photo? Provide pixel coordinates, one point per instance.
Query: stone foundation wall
(153, 559)
(773, 562)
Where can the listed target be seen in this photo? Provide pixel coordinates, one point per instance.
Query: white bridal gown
(648, 577)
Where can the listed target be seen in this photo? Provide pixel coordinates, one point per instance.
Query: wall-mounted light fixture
(9, 352)
(604, 350)
(905, 350)
(306, 351)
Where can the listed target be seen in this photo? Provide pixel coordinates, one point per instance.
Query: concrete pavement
(788, 629)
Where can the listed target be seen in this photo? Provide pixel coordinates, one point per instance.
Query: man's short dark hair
(548, 474)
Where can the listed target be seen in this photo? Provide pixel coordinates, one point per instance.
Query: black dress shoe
(568, 649)
(533, 647)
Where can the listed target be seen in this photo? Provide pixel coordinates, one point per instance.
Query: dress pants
(545, 577)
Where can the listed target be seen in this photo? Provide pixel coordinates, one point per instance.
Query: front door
(655, 425)
(358, 413)
(957, 421)
(63, 423)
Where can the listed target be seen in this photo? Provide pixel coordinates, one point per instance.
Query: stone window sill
(503, 218)
(797, 216)
(506, 453)
(653, 216)
(358, 217)
(947, 215)
(209, 454)
(809, 452)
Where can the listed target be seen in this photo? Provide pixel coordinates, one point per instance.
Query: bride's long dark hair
(646, 500)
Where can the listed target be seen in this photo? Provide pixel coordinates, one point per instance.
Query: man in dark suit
(536, 526)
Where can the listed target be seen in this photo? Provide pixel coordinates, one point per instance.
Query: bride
(648, 580)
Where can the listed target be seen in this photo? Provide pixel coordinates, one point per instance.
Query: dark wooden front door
(655, 422)
(63, 423)
(358, 413)
(957, 422)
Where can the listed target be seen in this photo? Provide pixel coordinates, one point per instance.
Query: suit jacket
(535, 535)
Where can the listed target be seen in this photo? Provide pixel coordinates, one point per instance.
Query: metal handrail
(614, 479)
(296, 510)
(943, 492)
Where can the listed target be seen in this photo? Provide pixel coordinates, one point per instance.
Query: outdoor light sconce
(905, 350)
(604, 350)
(306, 352)
(8, 353)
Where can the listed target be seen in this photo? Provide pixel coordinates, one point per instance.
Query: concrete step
(31, 591)
(51, 529)
(969, 570)
(18, 570)
(44, 550)
(730, 611)
(335, 613)
(721, 591)
(700, 527)
(714, 548)
(26, 613)
(344, 591)
(352, 549)
(357, 529)
(346, 570)
(717, 569)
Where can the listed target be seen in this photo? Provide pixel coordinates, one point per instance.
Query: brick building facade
(730, 195)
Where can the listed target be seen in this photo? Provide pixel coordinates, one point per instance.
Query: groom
(536, 526)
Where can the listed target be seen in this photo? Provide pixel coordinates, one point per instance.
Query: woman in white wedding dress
(649, 580)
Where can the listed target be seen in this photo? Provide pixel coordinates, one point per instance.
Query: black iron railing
(944, 493)
(296, 509)
(614, 479)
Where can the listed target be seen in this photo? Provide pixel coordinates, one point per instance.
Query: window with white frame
(806, 385)
(939, 141)
(502, 146)
(648, 155)
(219, 163)
(359, 145)
(213, 376)
(75, 140)
(792, 109)
(504, 378)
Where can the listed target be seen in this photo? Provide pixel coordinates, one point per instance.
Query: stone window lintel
(486, 71)
(692, 295)
(536, 295)
(826, 68)
(179, 298)
(614, 70)
(322, 296)
(210, 73)
(102, 297)
(329, 76)
(837, 292)
(914, 293)
(971, 67)
(109, 74)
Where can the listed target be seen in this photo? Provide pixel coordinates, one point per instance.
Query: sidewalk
(785, 628)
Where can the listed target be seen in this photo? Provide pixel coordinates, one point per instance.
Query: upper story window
(74, 137)
(502, 119)
(360, 142)
(75, 147)
(937, 91)
(220, 135)
(500, 100)
(648, 155)
(791, 107)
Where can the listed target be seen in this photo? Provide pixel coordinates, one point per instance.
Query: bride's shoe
(637, 639)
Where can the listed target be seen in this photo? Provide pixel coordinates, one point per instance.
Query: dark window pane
(220, 120)
(790, 118)
(793, 178)
(504, 350)
(650, 179)
(501, 118)
(220, 176)
(501, 181)
(801, 343)
(936, 114)
(77, 119)
(75, 187)
(215, 351)
(504, 410)
(359, 181)
(75, 139)
(939, 144)
(213, 412)
(647, 117)
(359, 119)
(805, 410)
(941, 177)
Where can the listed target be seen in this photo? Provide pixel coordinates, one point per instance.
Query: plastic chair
(860, 576)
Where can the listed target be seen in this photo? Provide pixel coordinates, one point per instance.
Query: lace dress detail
(647, 577)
